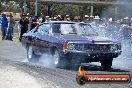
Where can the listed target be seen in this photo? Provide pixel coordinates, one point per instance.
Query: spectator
(67, 18)
(43, 19)
(86, 19)
(76, 19)
(112, 27)
(131, 24)
(126, 28)
(30, 22)
(59, 18)
(96, 21)
(11, 25)
(54, 18)
(34, 22)
(91, 19)
(23, 25)
(47, 19)
(97, 18)
(4, 25)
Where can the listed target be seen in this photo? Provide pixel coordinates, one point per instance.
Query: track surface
(43, 75)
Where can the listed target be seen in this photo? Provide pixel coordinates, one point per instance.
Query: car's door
(42, 37)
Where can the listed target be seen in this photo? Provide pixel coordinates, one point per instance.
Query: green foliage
(9, 6)
(0, 7)
(63, 9)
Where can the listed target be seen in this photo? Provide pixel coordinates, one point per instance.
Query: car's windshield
(73, 28)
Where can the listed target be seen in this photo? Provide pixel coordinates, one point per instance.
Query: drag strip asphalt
(13, 54)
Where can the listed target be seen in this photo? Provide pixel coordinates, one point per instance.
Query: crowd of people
(108, 27)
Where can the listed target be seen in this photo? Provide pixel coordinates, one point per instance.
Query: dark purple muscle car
(70, 43)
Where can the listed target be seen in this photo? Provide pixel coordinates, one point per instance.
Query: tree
(9, 6)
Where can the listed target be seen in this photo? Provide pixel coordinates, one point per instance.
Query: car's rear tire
(32, 57)
(106, 64)
(58, 61)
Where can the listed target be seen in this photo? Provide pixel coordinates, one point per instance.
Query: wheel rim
(30, 53)
(56, 58)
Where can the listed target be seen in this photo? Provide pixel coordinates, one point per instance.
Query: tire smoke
(114, 30)
(46, 60)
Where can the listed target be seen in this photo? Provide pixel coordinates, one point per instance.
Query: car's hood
(85, 39)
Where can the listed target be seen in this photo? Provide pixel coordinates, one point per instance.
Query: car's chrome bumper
(93, 52)
(96, 54)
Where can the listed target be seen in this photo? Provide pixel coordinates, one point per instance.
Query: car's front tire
(32, 57)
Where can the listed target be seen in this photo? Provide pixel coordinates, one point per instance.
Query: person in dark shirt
(34, 22)
(23, 25)
(43, 19)
(86, 19)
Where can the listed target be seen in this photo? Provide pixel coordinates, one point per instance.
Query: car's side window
(44, 28)
(56, 28)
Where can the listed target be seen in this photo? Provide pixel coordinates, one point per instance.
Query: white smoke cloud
(46, 60)
(120, 8)
(124, 9)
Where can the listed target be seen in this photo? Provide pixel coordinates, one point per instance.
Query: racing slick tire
(106, 64)
(31, 56)
(58, 61)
